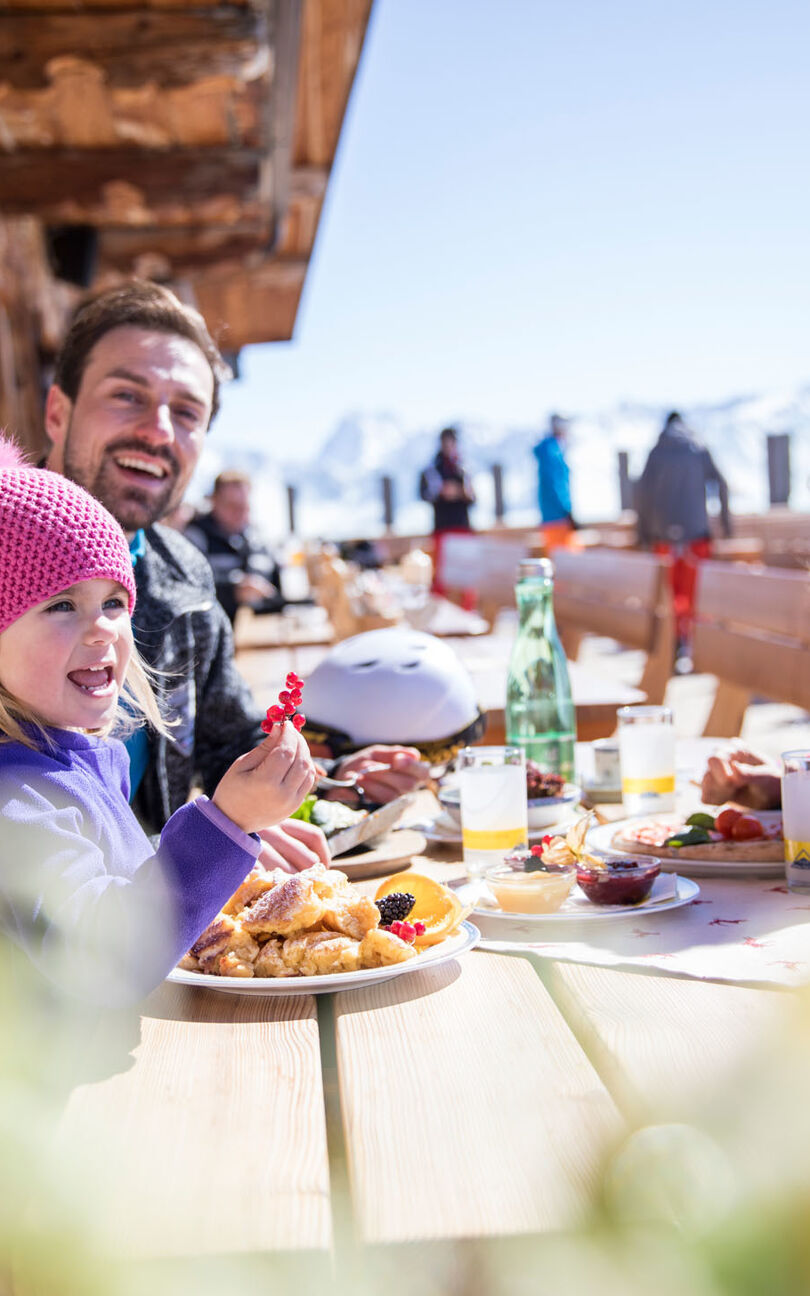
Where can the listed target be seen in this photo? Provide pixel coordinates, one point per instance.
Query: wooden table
(596, 699)
(486, 657)
(271, 630)
(476, 1100)
(481, 1099)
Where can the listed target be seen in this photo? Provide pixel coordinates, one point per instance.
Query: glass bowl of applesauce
(540, 889)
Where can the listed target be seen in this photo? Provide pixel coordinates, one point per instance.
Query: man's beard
(132, 508)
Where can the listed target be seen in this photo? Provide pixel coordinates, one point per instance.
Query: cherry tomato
(746, 828)
(726, 820)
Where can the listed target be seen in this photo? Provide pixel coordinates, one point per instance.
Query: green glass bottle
(540, 715)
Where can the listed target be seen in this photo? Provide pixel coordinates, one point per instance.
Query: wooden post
(779, 468)
(388, 502)
(497, 478)
(626, 482)
(291, 508)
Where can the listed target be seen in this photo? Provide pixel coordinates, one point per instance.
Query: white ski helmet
(392, 686)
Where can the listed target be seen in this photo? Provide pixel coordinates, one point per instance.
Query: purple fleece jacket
(82, 890)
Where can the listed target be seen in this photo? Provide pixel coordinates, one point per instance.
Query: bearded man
(136, 387)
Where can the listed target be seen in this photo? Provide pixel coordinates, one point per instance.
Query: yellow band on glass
(797, 852)
(501, 839)
(632, 786)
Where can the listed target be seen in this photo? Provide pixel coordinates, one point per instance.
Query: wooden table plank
(662, 1044)
(469, 1110)
(214, 1142)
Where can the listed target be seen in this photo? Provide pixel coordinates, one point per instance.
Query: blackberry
(395, 907)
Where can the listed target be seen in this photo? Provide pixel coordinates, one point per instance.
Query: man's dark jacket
(670, 495)
(232, 556)
(448, 514)
(181, 629)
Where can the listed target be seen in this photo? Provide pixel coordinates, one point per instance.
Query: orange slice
(437, 928)
(427, 893)
(435, 905)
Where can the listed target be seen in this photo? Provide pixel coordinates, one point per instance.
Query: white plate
(461, 941)
(599, 838)
(578, 908)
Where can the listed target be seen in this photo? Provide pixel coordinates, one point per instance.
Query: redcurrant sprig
(288, 700)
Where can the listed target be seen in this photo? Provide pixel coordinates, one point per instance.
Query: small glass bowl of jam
(625, 880)
(523, 884)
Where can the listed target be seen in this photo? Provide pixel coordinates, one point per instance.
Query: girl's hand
(293, 845)
(267, 784)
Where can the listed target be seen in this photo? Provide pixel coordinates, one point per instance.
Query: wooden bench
(782, 535)
(486, 563)
(752, 630)
(624, 596)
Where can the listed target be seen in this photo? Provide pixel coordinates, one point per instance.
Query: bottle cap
(535, 569)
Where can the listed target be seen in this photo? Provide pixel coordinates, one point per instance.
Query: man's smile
(144, 463)
(141, 465)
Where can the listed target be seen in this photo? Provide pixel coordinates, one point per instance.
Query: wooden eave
(196, 139)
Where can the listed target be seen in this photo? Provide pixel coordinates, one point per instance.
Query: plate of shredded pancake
(313, 933)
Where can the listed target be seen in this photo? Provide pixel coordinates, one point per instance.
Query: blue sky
(545, 204)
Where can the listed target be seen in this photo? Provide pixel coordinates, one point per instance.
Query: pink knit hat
(52, 534)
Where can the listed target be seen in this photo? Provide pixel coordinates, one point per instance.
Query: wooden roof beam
(142, 188)
(137, 45)
(79, 109)
(54, 6)
(331, 41)
(181, 249)
(245, 306)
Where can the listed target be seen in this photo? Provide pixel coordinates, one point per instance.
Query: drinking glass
(647, 756)
(796, 818)
(494, 814)
(606, 767)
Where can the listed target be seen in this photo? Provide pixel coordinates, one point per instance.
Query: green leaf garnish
(693, 837)
(700, 819)
(304, 811)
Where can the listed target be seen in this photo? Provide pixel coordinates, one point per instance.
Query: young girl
(82, 891)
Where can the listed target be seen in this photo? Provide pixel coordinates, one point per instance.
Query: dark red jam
(620, 882)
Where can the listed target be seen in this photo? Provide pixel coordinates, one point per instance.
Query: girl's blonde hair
(138, 705)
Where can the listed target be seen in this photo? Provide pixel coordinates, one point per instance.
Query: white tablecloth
(750, 930)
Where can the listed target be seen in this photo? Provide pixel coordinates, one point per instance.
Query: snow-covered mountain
(339, 492)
